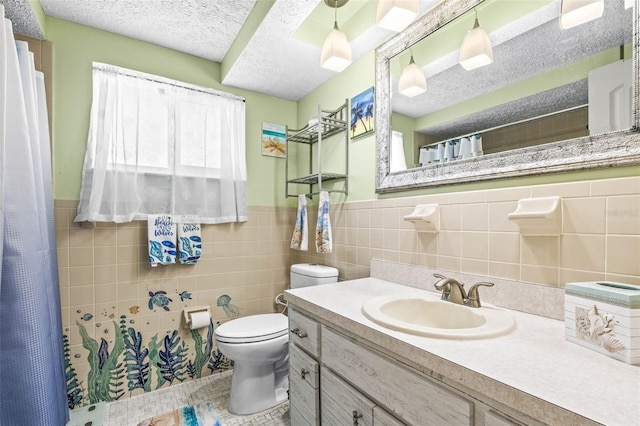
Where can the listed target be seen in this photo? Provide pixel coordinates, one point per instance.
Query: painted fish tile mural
(123, 362)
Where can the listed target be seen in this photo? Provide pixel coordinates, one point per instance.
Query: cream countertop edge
(552, 375)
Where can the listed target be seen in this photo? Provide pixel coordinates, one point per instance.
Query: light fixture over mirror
(476, 50)
(336, 50)
(578, 12)
(396, 15)
(412, 81)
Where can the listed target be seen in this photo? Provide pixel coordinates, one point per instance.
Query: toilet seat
(253, 328)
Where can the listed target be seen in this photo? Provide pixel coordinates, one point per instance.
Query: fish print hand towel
(324, 241)
(189, 243)
(300, 238)
(162, 239)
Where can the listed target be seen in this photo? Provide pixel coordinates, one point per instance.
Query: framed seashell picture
(274, 140)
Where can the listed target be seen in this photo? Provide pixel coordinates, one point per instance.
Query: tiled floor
(214, 388)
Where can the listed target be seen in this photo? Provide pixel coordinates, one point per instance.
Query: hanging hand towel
(189, 243)
(162, 239)
(300, 239)
(324, 242)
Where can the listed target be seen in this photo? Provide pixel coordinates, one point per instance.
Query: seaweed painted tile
(121, 359)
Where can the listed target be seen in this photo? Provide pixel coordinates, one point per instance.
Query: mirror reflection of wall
(534, 91)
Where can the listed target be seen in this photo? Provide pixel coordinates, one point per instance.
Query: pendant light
(395, 15)
(476, 48)
(577, 12)
(336, 50)
(412, 81)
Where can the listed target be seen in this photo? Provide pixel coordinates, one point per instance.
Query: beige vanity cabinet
(342, 404)
(409, 396)
(336, 379)
(304, 380)
(303, 388)
(493, 418)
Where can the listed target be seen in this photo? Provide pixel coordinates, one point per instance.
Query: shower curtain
(32, 364)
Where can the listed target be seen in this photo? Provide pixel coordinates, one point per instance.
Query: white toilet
(259, 348)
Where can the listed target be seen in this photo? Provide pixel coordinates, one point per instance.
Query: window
(161, 146)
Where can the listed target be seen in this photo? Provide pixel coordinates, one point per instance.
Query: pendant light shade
(476, 50)
(577, 12)
(412, 81)
(336, 50)
(395, 15)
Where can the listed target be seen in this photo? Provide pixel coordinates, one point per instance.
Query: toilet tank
(308, 274)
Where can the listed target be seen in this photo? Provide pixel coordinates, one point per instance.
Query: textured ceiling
(275, 58)
(198, 27)
(21, 15)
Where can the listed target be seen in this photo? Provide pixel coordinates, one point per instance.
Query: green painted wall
(77, 46)
(360, 75)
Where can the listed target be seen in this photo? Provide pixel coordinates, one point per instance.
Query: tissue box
(604, 316)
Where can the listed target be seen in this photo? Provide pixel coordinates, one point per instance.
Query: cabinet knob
(356, 416)
(303, 372)
(300, 333)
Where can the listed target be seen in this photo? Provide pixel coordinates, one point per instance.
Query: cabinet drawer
(382, 418)
(304, 332)
(343, 405)
(302, 367)
(304, 401)
(491, 418)
(410, 397)
(295, 418)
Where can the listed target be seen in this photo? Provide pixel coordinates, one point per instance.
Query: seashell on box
(604, 316)
(612, 344)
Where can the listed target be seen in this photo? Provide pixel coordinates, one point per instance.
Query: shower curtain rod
(158, 79)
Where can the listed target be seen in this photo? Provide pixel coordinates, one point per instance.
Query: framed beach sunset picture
(362, 110)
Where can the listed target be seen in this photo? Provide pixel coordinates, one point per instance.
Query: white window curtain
(161, 146)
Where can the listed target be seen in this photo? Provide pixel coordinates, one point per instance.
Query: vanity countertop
(533, 369)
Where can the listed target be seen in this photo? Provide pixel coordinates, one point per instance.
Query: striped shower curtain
(32, 368)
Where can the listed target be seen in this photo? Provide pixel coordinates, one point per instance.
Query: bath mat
(192, 415)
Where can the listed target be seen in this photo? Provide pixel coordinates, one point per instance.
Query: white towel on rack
(300, 238)
(162, 239)
(189, 243)
(324, 240)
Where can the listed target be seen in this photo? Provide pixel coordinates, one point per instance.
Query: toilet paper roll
(199, 320)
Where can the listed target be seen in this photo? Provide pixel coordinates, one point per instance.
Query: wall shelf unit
(328, 123)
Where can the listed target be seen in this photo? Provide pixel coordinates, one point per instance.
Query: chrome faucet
(453, 291)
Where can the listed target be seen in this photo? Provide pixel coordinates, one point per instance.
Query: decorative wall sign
(274, 140)
(362, 111)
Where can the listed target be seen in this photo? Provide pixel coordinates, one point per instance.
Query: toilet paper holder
(187, 312)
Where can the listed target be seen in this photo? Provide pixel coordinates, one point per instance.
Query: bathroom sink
(428, 316)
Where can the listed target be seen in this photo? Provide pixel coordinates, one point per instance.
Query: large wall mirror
(554, 97)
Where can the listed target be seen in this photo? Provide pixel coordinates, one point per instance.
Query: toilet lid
(253, 328)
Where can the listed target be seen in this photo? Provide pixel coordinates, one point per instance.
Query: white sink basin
(428, 316)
